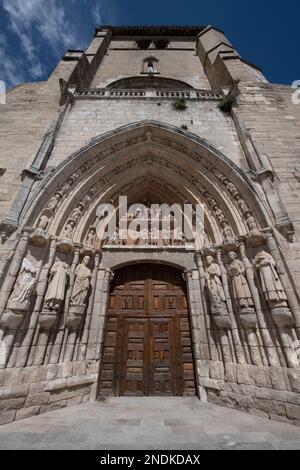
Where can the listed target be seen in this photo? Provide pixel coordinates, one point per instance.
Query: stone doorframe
(180, 258)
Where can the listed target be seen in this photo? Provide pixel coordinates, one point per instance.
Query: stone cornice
(187, 31)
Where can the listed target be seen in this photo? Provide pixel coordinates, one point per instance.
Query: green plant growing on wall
(229, 100)
(184, 127)
(179, 104)
(227, 103)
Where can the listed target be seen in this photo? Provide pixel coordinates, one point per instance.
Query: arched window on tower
(150, 66)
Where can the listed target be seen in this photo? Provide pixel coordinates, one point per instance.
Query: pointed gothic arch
(68, 274)
(137, 158)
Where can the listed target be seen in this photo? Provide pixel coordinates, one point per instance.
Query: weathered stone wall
(268, 392)
(178, 62)
(33, 390)
(90, 118)
(264, 119)
(24, 120)
(267, 110)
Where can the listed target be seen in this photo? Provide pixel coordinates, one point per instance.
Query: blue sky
(34, 34)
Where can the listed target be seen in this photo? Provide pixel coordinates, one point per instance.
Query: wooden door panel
(161, 374)
(133, 357)
(147, 346)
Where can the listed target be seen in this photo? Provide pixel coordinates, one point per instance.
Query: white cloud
(42, 17)
(97, 14)
(40, 24)
(11, 70)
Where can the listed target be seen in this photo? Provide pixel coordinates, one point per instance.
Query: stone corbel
(32, 173)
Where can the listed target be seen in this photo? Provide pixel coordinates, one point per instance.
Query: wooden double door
(147, 346)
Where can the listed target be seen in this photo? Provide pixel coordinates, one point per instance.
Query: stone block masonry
(142, 113)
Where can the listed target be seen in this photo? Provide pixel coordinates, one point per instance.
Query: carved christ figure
(56, 290)
(25, 283)
(271, 284)
(82, 283)
(214, 284)
(240, 287)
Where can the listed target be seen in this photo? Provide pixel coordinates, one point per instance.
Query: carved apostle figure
(56, 290)
(82, 283)
(25, 283)
(214, 285)
(271, 284)
(240, 287)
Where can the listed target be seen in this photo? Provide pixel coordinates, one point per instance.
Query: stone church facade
(162, 115)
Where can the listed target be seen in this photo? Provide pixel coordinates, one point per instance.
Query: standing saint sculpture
(215, 287)
(82, 283)
(271, 284)
(240, 287)
(25, 284)
(56, 290)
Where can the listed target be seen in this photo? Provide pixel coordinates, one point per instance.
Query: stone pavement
(148, 423)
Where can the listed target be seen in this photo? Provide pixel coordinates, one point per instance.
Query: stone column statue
(79, 295)
(20, 299)
(240, 287)
(216, 294)
(271, 284)
(82, 283)
(56, 290)
(55, 294)
(24, 285)
(214, 286)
